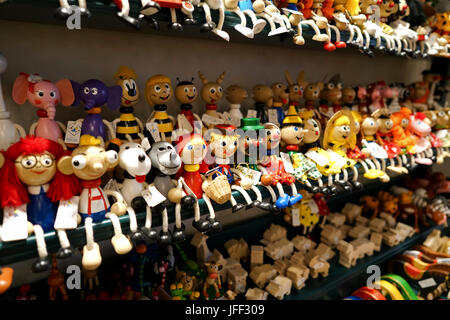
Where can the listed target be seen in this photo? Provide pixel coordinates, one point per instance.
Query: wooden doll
(158, 92)
(211, 94)
(420, 130)
(233, 6)
(44, 95)
(331, 95)
(400, 135)
(311, 94)
(348, 98)
(32, 188)
(89, 162)
(295, 89)
(280, 99)
(127, 123)
(207, 5)
(269, 12)
(235, 95)
(263, 97)
(292, 135)
(435, 141)
(323, 15)
(223, 146)
(273, 170)
(186, 93)
(192, 150)
(340, 136)
(93, 94)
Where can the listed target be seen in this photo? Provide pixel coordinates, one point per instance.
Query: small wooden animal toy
(211, 94)
(186, 93)
(56, 282)
(158, 92)
(212, 279)
(295, 89)
(127, 123)
(33, 186)
(331, 94)
(349, 98)
(263, 97)
(44, 95)
(89, 162)
(93, 94)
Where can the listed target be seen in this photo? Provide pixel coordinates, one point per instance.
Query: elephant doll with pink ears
(44, 95)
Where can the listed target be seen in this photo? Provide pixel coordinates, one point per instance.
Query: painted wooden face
(130, 92)
(160, 93)
(419, 126)
(348, 95)
(292, 135)
(236, 94)
(92, 162)
(280, 92)
(312, 91)
(36, 169)
(186, 93)
(312, 133)
(212, 93)
(341, 134)
(273, 137)
(441, 118)
(194, 151)
(369, 126)
(223, 146)
(385, 125)
(387, 7)
(332, 93)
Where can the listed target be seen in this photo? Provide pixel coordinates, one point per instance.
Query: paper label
(152, 127)
(273, 116)
(152, 196)
(73, 132)
(229, 119)
(251, 113)
(15, 224)
(111, 185)
(317, 158)
(211, 121)
(336, 158)
(287, 162)
(295, 217)
(66, 216)
(183, 123)
(256, 175)
(375, 149)
(313, 206)
(427, 283)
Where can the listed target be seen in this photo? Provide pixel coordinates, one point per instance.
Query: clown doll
(186, 93)
(32, 188)
(273, 170)
(223, 146)
(89, 162)
(292, 134)
(192, 150)
(339, 137)
(158, 92)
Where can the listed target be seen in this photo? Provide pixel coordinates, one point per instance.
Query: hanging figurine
(65, 10)
(322, 14)
(93, 94)
(207, 5)
(158, 92)
(420, 130)
(89, 162)
(124, 13)
(186, 93)
(211, 94)
(232, 6)
(33, 186)
(9, 132)
(263, 97)
(127, 123)
(44, 95)
(149, 8)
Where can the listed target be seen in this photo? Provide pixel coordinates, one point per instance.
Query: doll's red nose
(391, 4)
(379, 1)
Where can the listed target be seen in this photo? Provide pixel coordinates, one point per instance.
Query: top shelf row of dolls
(410, 28)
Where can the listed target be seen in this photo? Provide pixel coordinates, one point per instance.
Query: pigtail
(63, 187)
(14, 193)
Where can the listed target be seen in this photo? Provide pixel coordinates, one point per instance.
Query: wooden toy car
(336, 219)
(237, 278)
(324, 251)
(279, 287)
(376, 238)
(316, 265)
(330, 235)
(298, 275)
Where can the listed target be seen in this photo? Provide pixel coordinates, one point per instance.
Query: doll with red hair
(192, 150)
(32, 186)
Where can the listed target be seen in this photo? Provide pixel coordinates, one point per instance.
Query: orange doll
(400, 134)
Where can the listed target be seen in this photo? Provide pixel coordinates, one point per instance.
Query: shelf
(104, 16)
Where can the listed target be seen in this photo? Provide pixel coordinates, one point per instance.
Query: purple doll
(93, 94)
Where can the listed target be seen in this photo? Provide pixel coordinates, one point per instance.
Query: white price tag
(256, 175)
(313, 206)
(111, 185)
(427, 283)
(211, 121)
(336, 158)
(375, 149)
(152, 196)
(73, 132)
(229, 119)
(273, 116)
(183, 123)
(251, 113)
(152, 127)
(295, 217)
(287, 162)
(66, 216)
(15, 224)
(317, 158)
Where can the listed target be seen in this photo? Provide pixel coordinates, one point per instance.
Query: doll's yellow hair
(159, 78)
(342, 121)
(357, 116)
(88, 140)
(353, 7)
(125, 73)
(306, 114)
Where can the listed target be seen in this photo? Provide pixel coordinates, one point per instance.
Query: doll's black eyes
(224, 143)
(186, 90)
(235, 143)
(212, 91)
(157, 88)
(126, 148)
(161, 149)
(220, 89)
(52, 94)
(166, 86)
(40, 94)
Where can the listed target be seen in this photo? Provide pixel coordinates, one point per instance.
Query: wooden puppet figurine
(207, 5)
(295, 89)
(292, 135)
(56, 282)
(44, 95)
(158, 92)
(127, 123)
(331, 95)
(235, 95)
(263, 97)
(233, 6)
(192, 150)
(280, 99)
(211, 94)
(9, 132)
(311, 94)
(348, 98)
(401, 135)
(273, 169)
(93, 94)
(186, 93)
(212, 279)
(339, 137)
(89, 162)
(32, 188)
(323, 15)
(420, 130)
(64, 11)
(124, 13)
